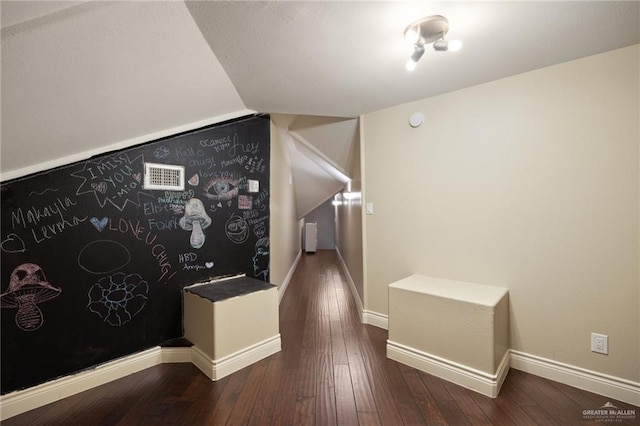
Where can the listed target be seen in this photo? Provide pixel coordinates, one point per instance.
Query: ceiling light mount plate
(426, 30)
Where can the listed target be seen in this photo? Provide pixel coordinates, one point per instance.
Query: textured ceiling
(80, 78)
(343, 59)
(100, 76)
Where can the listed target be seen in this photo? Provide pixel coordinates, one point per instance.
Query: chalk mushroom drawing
(195, 219)
(27, 287)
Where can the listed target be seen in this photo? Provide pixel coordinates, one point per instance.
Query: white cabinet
(310, 237)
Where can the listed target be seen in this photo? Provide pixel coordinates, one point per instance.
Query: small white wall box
(455, 330)
(232, 324)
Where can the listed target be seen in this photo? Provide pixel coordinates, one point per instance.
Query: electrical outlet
(600, 343)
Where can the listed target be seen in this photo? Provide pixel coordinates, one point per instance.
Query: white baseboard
(470, 378)
(592, 381)
(287, 279)
(352, 285)
(216, 369)
(376, 319)
(176, 355)
(18, 402)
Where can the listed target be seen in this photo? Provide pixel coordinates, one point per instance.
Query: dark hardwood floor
(332, 370)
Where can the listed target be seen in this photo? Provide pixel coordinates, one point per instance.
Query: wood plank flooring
(332, 370)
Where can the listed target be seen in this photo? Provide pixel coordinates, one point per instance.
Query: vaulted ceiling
(84, 77)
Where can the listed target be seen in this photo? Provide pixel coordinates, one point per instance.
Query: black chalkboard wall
(93, 264)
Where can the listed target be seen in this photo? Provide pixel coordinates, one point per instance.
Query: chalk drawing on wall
(194, 180)
(259, 230)
(161, 152)
(195, 219)
(99, 224)
(103, 257)
(112, 179)
(28, 286)
(245, 202)
(44, 191)
(237, 229)
(221, 188)
(261, 259)
(118, 298)
(13, 244)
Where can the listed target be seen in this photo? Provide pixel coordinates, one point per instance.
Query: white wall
(531, 183)
(285, 229)
(349, 225)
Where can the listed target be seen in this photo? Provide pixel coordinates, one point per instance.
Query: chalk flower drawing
(118, 298)
(28, 286)
(161, 152)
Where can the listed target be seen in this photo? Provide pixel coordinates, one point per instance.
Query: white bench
(455, 330)
(231, 323)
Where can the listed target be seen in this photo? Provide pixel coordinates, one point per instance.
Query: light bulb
(410, 65)
(412, 35)
(455, 45)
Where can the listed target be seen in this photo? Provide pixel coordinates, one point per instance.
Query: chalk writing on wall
(117, 256)
(112, 179)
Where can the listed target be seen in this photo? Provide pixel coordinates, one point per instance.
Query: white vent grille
(163, 176)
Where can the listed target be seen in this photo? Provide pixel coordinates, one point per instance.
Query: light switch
(369, 208)
(254, 185)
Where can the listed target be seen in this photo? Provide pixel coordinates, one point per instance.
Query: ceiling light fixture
(431, 29)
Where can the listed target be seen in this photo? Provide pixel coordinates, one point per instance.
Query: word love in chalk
(157, 249)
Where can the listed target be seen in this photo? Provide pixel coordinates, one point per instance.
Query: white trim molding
(581, 378)
(287, 279)
(470, 378)
(352, 285)
(216, 369)
(18, 402)
(376, 319)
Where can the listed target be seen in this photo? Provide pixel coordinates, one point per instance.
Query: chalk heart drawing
(100, 187)
(137, 176)
(209, 265)
(99, 223)
(13, 244)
